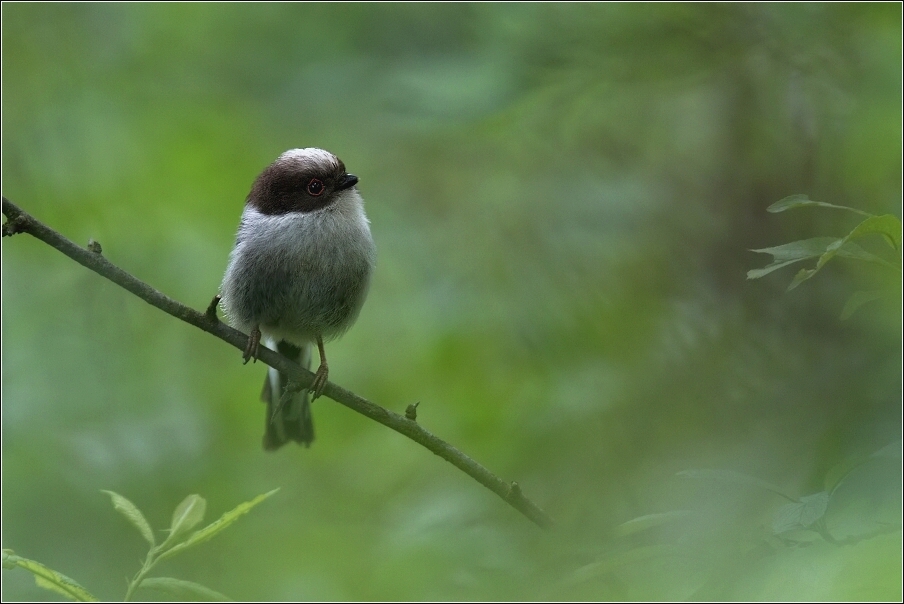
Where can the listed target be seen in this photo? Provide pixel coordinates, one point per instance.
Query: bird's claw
(254, 343)
(319, 382)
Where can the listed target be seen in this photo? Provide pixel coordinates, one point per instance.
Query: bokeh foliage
(563, 199)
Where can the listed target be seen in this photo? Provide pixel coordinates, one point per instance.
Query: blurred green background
(563, 199)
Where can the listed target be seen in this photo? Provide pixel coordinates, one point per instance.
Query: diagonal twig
(19, 221)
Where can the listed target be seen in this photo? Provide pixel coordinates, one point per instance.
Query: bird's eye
(315, 187)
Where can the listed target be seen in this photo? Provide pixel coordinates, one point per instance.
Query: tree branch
(18, 221)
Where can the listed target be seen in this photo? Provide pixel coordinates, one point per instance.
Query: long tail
(293, 421)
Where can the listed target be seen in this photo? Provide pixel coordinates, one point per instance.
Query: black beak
(347, 181)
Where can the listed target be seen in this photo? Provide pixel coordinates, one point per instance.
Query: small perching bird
(298, 275)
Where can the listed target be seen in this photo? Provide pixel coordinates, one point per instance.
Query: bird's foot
(254, 342)
(320, 378)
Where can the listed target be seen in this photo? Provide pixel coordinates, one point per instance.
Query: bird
(298, 276)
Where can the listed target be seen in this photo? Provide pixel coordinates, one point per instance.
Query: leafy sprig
(187, 515)
(888, 226)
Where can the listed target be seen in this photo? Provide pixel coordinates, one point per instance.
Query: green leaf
(735, 478)
(799, 201)
(187, 515)
(857, 300)
(801, 276)
(756, 273)
(789, 253)
(801, 515)
(649, 521)
(890, 450)
(839, 472)
(611, 563)
(215, 527)
(133, 515)
(888, 226)
(49, 579)
(184, 590)
(798, 250)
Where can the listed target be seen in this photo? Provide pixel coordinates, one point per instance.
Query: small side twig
(211, 312)
(19, 221)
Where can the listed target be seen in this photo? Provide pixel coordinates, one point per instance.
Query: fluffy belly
(300, 303)
(300, 275)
